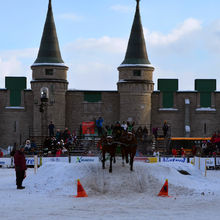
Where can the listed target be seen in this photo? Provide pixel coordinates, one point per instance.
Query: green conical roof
(49, 51)
(136, 51)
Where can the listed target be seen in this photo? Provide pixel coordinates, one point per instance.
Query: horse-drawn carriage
(127, 143)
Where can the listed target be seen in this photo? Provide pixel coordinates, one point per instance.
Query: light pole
(44, 97)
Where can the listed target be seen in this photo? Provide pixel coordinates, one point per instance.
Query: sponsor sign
(5, 161)
(146, 159)
(54, 159)
(192, 160)
(30, 161)
(210, 162)
(173, 159)
(88, 127)
(217, 161)
(84, 159)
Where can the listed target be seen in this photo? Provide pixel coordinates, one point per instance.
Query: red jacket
(19, 160)
(1, 154)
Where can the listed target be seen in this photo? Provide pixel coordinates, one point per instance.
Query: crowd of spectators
(61, 142)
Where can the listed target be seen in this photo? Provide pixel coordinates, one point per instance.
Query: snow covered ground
(119, 195)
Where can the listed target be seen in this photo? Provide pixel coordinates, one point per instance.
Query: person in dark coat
(51, 129)
(165, 129)
(20, 167)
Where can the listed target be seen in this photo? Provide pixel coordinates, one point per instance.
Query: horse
(128, 147)
(108, 146)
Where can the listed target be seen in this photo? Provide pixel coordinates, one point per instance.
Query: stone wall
(78, 110)
(16, 122)
(203, 121)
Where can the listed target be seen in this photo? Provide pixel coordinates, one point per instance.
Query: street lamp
(44, 97)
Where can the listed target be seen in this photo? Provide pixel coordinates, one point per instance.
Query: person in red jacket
(20, 167)
(1, 153)
(174, 152)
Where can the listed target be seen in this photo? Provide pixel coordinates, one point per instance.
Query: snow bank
(61, 179)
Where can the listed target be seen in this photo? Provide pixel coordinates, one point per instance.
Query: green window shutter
(168, 85)
(15, 97)
(205, 85)
(167, 99)
(15, 85)
(92, 96)
(205, 99)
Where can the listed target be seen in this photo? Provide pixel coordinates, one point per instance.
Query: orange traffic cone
(80, 190)
(164, 190)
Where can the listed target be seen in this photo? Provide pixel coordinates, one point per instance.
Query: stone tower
(135, 84)
(49, 82)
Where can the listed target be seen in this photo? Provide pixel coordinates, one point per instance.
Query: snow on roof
(208, 109)
(135, 65)
(49, 64)
(14, 107)
(168, 109)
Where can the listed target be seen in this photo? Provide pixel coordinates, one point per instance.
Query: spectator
(20, 167)
(124, 125)
(155, 130)
(33, 146)
(66, 135)
(183, 153)
(204, 147)
(194, 150)
(1, 153)
(174, 152)
(145, 132)
(58, 135)
(99, 123)
(139, 133)
(108, 130)
(51, 129)
(130, 127)
(59, 152)
(27, 146)
(165, 129)
(117, 131)
(145, 135)
(156, 152)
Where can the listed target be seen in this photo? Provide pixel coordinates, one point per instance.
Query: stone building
(26, 113)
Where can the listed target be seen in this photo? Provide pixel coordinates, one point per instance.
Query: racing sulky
(108, 146)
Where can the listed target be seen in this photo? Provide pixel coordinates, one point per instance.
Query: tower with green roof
(49, 73)
(135, 84)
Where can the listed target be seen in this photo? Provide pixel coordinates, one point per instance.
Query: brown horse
(128, 147)
(108, 146)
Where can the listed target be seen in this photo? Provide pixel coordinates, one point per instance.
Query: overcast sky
(182, 38)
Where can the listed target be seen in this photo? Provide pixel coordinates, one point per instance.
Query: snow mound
(61, 179)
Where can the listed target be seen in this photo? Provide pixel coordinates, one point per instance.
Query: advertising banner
(147, 159)
(210, 162)
(54, 159)
(192, 160)
(217, 161)
(80, 159)
(5, 162)
(173, 159)
(88, 127)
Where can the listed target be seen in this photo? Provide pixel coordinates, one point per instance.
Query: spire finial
(49, 6)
